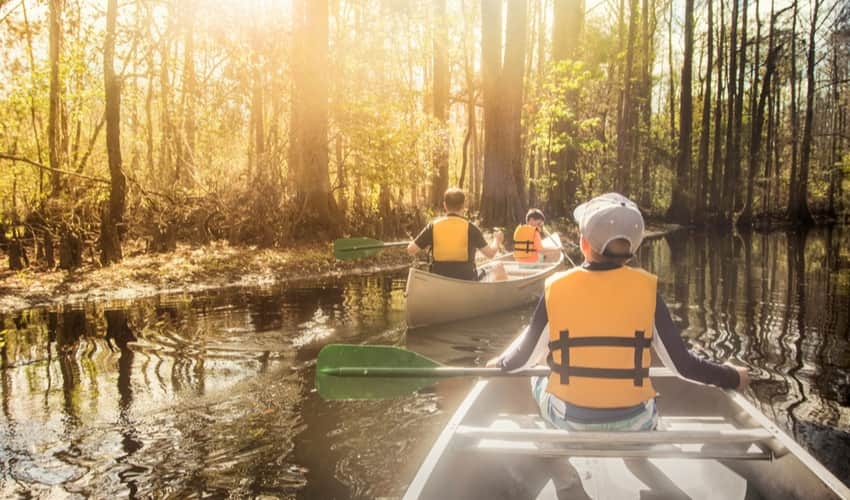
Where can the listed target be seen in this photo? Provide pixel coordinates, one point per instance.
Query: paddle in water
(358, 248)
(346, 371)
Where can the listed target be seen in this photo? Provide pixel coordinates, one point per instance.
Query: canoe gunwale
(547, 271)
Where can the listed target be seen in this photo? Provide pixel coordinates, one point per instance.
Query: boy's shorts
(553, 411)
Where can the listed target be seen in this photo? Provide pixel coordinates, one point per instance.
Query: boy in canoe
(527, 243)
(594, 327)
(454, 240)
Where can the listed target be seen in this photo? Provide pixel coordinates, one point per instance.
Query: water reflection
(212, 394)
(779, 304)
(188, 395)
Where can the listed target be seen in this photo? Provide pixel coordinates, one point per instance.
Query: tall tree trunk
(795, 114)
(799, 209)
(717, 160)
(758, 117)
(56, 111)
(186, 148)
(672, 96)
(501, 196)
(35, 122)
(568, 21)
(625, 133)
(113, 218)
(768, 160)
(259, 175)
(513, 70)
(777, 146)
(737, 192)
(149, 124)
(752, 164)
(680, 206)
(705, 127)
(317, 210)
(441, 102)
(727, 196)
(834, 176)
(166, 143)
(647, 50)
(470, 138)
(536, 165)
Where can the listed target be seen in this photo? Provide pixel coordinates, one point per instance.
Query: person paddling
(594, 326)
(528, 246)
(453, 241)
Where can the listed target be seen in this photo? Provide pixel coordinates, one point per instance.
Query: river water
(212, 395)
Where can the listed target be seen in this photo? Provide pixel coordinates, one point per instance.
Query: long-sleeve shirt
(531, 348)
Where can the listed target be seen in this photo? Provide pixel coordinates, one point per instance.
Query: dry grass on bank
(189, 268)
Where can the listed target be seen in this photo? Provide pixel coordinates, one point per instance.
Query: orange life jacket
(600, 333)
(451, 239)
(524, 250)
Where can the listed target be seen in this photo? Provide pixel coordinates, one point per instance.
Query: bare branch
(6, 156)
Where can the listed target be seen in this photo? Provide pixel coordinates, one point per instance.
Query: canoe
(711, 444)
(433, 299)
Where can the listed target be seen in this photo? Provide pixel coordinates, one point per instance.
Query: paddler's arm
(492, 249)
(525, 350)
(424, 239)
(667, 342)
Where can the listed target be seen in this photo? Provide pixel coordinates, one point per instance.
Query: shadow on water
(212, 394)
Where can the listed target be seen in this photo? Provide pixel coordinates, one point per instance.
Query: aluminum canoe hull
(433, 299)
(489, 468)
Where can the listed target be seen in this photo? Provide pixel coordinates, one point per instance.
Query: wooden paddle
(358, 248)
(346, 371)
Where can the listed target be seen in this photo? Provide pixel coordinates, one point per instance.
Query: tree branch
(6, 156)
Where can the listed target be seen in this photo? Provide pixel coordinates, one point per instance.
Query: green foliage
(563, 116)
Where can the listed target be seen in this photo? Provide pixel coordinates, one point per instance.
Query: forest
(274, 122)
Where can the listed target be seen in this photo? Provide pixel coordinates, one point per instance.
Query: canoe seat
(738, 444)
(617, 438)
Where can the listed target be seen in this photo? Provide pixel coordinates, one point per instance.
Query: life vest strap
(529, 246)
(620, 373)
(564, 370)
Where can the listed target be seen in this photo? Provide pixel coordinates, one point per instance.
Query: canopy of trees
(273, 122)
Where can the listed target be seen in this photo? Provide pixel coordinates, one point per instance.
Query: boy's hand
(493, 363)
(498, 237)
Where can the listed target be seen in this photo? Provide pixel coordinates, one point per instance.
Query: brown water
(212, 395)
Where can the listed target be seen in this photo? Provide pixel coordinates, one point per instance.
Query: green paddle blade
(345, 371)
(358, 248)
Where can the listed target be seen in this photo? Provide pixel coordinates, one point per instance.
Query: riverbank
(188, 269)
(194, 269)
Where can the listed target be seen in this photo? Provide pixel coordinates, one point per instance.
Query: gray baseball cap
(609, 217)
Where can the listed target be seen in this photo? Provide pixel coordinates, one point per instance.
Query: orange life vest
(600, 333)
(524, 250)
(451, 239)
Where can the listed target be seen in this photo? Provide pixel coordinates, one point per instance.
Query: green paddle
(346, 371)
(358, 248)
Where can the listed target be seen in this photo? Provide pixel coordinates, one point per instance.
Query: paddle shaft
(560, 245)
(370, 247)
(446, 372)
